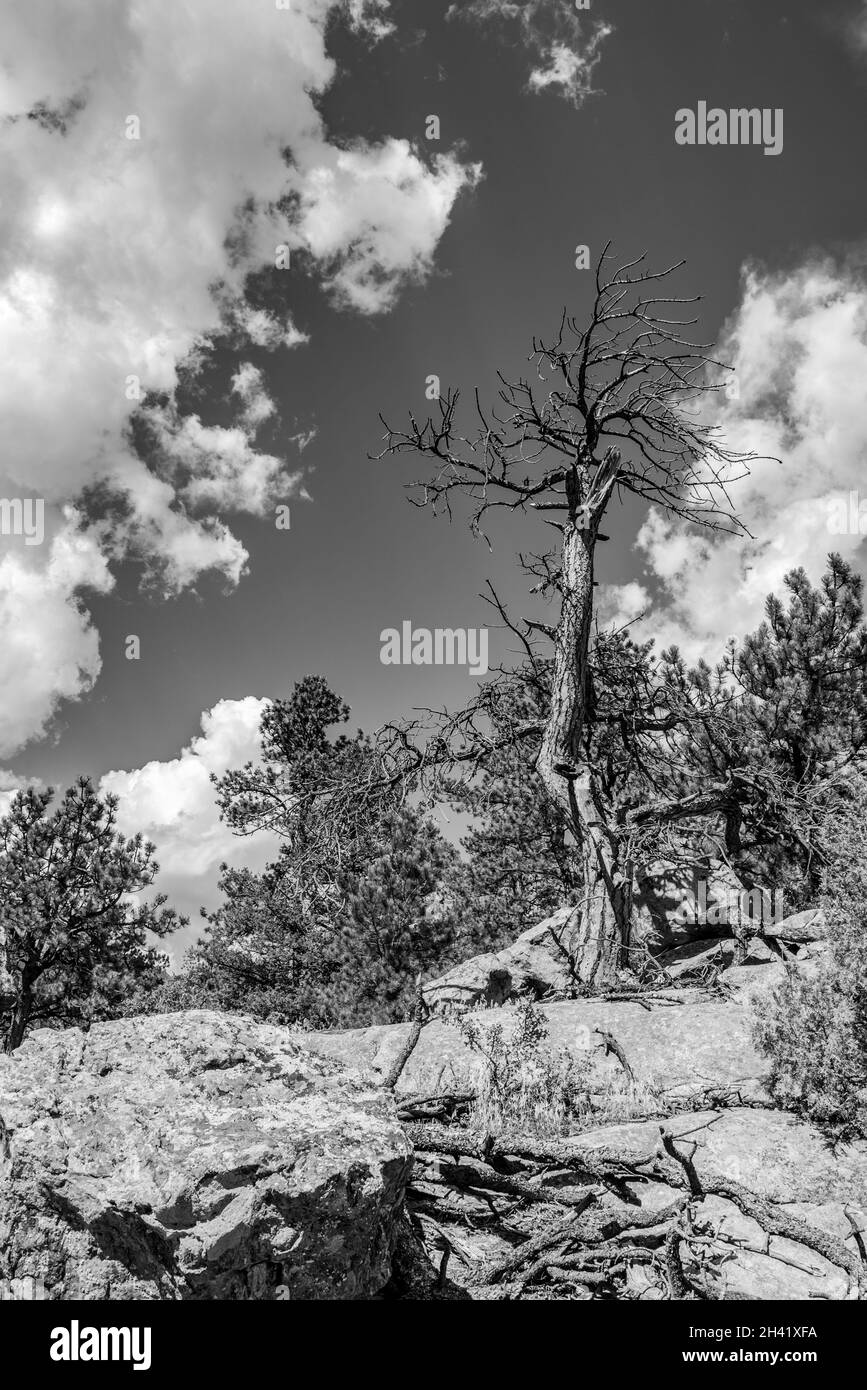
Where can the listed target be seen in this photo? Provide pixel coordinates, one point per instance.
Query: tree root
(594, 1231)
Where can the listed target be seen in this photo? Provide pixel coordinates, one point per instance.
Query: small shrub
(525, 1085)
(813, 1027)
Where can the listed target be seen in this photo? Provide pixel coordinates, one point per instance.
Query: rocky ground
(708, 1189)
(198, 1155)
(195, 1155)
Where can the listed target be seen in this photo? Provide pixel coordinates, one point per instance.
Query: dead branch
(591, 1167)
(420, 1019)
(546, 1241)
(613, 1047)
(445, 1105)
(468, 1176)
(685, 1162)
(676, 1279)
(596, 1238)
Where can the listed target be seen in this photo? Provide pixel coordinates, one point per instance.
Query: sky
(227, 245)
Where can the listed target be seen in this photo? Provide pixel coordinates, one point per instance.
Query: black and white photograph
(433, 674)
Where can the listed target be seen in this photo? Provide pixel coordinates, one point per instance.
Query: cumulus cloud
(798, 343)
(218, 469)
(172, 803)
(619, 605)
(11, 784)
(565, 43)
(50, 646)
(154, 156)
(374, 218)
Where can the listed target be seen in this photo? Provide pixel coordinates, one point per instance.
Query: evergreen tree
(813, 1027)
(746, 754)
(518, 865)
(795, 726)
(72, 941)
(338, 927)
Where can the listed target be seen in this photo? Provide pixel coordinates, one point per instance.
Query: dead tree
(618, 408)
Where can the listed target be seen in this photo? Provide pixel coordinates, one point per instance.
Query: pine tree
(795, 725)
(518, 865)
(813, 1027)
(336, 930)
(73, 943)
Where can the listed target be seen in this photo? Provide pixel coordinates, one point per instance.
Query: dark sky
(358, 557)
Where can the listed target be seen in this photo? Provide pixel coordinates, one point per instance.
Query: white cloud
(173, 804)
(50, 647)
(11, 784)
(212, 468)
(121, 258)
(565, 42)
(618, 605)
(374, 218)
(798, 342)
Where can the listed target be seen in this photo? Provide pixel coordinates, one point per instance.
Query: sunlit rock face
(194, 1156)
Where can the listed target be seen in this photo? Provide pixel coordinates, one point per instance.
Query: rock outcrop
(782, 1214)
(802, 928)
(680, 913)
(537, 964)
(676, 903)
(680, 1048)
(195, 1156)
(781, 1160)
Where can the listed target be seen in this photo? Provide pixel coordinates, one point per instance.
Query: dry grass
(525, 1084)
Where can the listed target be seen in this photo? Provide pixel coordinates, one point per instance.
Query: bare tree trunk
(605, 904)
(18, 1023)
(560, 755)
(606, 900)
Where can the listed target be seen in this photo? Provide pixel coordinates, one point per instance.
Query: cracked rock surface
(195, 1155)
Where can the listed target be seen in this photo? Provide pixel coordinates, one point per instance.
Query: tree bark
(605, 903)
(560, 754)
(18, 1023)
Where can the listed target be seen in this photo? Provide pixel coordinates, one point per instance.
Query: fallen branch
(592, 1167)
(422, 1013)
(685, 1162)
(613, 1047)
(435, 1107)
(534, 1247)
(603, 1241)
(476, 1177)
(676, 1278)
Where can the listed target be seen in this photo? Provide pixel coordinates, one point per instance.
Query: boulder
(780, 1159)
(678, 1049)
(536, 965)
(194, 1155)
(676, 903)
(701, 960)
(801, 927)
